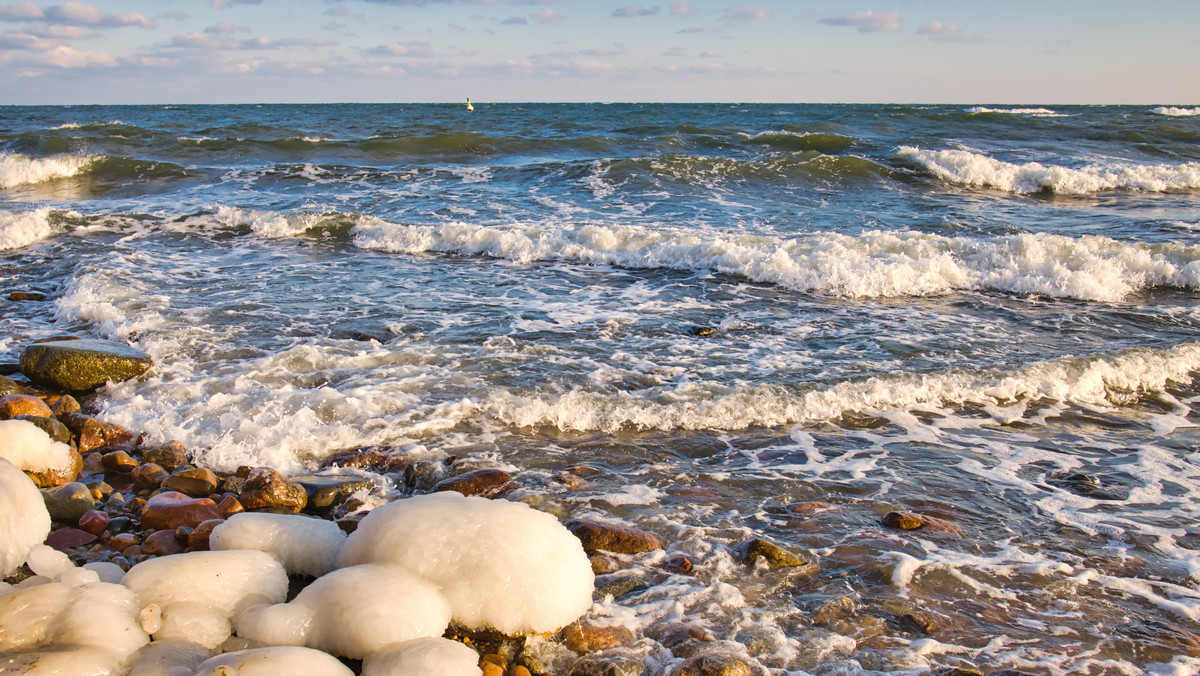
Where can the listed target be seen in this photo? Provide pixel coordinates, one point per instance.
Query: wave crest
(22, 228)
(18, 169)
(1177, 112)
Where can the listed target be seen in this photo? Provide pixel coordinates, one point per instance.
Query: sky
(804, 51)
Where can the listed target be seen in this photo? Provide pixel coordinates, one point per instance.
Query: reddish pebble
(228, 506)
(198, 538)
(94, 521)
(65, 538)
(161, 543)
(122, 541)
(171, 510)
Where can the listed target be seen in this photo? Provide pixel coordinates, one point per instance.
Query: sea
(715, 322)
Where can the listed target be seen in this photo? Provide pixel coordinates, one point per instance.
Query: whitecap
(22, 228)
(16, 169)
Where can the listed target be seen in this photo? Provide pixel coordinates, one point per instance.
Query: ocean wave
(871, 264)
(1104, 380)
(968, 168)
(823, 142)
(18, 169)
(272, 224)
(1177, 112)
(1031, 112)
(22, 228)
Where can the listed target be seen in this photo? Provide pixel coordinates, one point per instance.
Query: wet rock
(119, 461)
(149, 476)
(10, 386)
(82, 365)
(26, 296)
(422, 476)
(915, 623)
(619, 585)
(170, 457)
(13, 405)
(266, 490)
(608, 666)
(775, 556)
(603, 564)
(123, 541)
(67, 538)
(834, 609)
(68, 502)
(956, 671)
(382, 459)
(94, 521)
(326, 491)
(91, 433)
(519, 670)
(198, 538)
(680, 638)
(702, 331)
(913, 521)
(171, 510)
(1087, 486)
(1010, 672)
(712, 665)
(198, 482)
(490, 668)
(65, 404)
(229, 505)
(585, 637)
(161, 543)
(609, 537)
(119, 524)
(58, 476)
(51, 426)
(487, 483)
(679, 564)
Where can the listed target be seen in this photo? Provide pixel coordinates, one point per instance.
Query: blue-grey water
(714, 322)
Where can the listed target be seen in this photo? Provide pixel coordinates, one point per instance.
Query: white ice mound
(501, 565)
(29, 447)
(423, 657)
(303, 544)
(352, 612)
(276, 661)
(192, 596)
(54, 628)
(24, 521)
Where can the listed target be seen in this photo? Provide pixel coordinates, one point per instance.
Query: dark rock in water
(712, 665)
(618, 585)
(198, 482)
(170, 510)
(382, 459)
(488, 483)
(608, 666)
(702, 331)
(65, 404)
(66, 538)
(584, 637)
(266, 490)
(610, 537)
(956, 671)
(9, 386)
(1009, 672)
(50, 426)
(8, 368)
(913, 521)
(170, 457)
(14, 405)
(424, 475)
(26, 295)
(754, 549)
(1087, 486)
(68, 502)
(92, 433)
(363, 332)
(915, 623)
(326, 491)
(82, 365)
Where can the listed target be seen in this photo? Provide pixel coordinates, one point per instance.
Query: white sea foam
(870, 264)
(968, 168)
(22, 228)
(16, 169)
(1177, 112)
(268, 224)
(1032, 112)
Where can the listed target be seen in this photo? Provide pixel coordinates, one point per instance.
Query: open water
(714, 322)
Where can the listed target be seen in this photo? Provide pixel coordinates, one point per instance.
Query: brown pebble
(489, 669)
(603, 564)
(585, 637)
(198, 482)
(26, 295)
(119, 461)
(518, 670)
(65, 404)
(916, 623)
(228, 506)
(94, 521)
(678, 564)
(92, 434)
(149, 475)
(268, 490)
(488, 483)
(161, 543)
(13, 405)
(171, 510)
(198, 539)
(170, 457)
(122, 541)
(596, 535)
(712, 665)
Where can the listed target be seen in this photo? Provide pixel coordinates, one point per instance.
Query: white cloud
(218, 4)
(27, 41)
(79, 13)
(412, 48)
(949, 32)
(682, 8)
(867, 22)
(22, 11)
(547, 16)
(629, 11)
(69, 57)
(224, 28)
(223, 42)
(745, 14)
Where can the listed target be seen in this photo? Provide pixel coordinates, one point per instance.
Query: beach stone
(65, 404)
(26, 295)
(119, 461)
(956, 671)
(198, 538)
(91, 433)
(678, 563)
(618, 585)
(1087, 486)
(1010, 672)
(170, 457)
(487, 483)
(585, 637)
(754, 549)
(712, 665)
(198, 482)
(229, 505)
(50, 426)
(149, 476)
(68, 502)
(702, 331)
(381, 459)
(161, 543)
(66, 538)
(609, 537)
(94, 521)
(518, 670)
(82, 365)
(916, 623)
(326, 491)
(913, 521)
(423, 475)
(119, 524)
(10, 386)
(266, 490)
(602, 564)
(58, 476)
(171, 509)
(608, 666)
(122, 541)
(13, 405)
(491, 668)
(115, 503)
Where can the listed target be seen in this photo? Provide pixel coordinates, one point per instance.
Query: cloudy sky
(953, 51)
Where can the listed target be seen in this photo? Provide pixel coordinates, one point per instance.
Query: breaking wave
(22, 228)
(18, 169)
(1032, 112)
(968, 168)
(872, 264)
(1177, 112)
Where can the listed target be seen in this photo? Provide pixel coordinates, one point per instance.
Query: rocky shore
(120, 499)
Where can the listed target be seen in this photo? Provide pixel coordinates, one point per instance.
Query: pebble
(94, 521)
(266, 490)
(171, 510)
(608, 666)
(81, 365)
(228, 506)
(913, 521)
(161, 543)
(26, 295)
(488, 483)
(149, 476)
(751, 551)
(123, 541)
(10, 386)
(13, 405)
(712, 665)
(65, 404)
(50, 426)
(119, 461)
(65, 538)
(68, 502)
(326, 491)
(198, 482)
(198, 538)
(586, 637)
(170, 457)
(91, 434)
(596, 535)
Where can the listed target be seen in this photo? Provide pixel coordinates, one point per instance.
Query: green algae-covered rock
(81, 365)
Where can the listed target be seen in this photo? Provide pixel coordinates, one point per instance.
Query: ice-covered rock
(167, 658)
(193, 596)
(274, 661)
(27, 446)
(501, 565)
(24, 521)
(352, 612)
(303, 544)
(423, 657)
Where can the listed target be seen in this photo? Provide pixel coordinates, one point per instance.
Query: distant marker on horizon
(469, 106)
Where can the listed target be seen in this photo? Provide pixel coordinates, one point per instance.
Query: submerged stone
(609, 537)
(326, 491)
(775, 556)
(82, 365)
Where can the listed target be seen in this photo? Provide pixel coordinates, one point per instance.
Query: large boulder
(82, 365)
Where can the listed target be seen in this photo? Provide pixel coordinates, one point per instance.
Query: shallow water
(948, 310)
